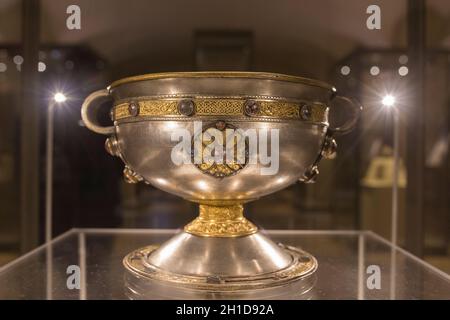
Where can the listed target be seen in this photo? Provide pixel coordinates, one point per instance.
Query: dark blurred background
(409, 57)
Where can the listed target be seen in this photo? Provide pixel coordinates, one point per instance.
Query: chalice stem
(221, 221)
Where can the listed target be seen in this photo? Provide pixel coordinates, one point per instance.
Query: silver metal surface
(223, 84)
(220, 264)
(241, 256)
(146, 148)
(138, 288)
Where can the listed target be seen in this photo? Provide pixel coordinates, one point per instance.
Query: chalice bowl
(220, 139)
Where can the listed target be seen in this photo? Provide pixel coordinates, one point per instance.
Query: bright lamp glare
(388, 101)
(60, 97)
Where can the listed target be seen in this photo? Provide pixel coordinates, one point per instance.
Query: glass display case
(234, 67)
(352, 265)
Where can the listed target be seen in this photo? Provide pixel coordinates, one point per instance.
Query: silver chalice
(284, 118)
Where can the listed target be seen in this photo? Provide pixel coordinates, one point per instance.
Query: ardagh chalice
(283, 118)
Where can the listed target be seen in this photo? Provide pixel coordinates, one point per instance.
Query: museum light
(59, 97)
(388, 100)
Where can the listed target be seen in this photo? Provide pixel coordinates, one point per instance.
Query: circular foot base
(142, 275)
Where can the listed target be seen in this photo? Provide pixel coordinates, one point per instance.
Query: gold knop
(221, 221)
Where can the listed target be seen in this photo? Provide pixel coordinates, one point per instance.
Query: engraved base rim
(303, 266)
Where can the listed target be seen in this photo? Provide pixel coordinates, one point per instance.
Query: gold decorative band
(231, 107)
(218, 221)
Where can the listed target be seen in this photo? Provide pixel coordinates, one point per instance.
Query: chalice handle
(348, 125)
(89, 111)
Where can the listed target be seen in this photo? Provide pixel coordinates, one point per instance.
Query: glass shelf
(344, 257)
